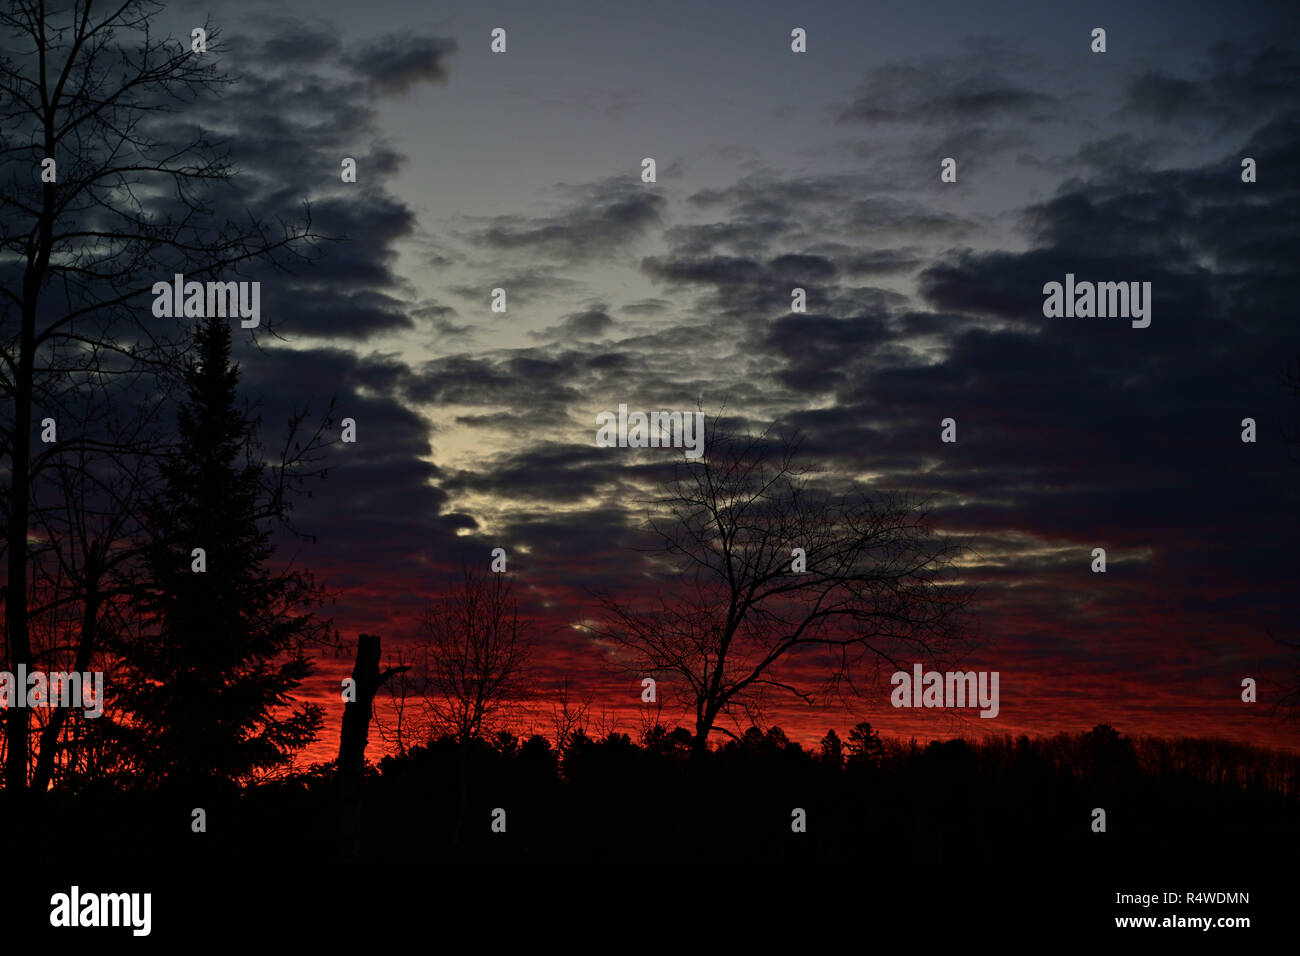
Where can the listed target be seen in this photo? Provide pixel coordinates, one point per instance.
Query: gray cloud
(395, 63)
(600, 218)
(587, 325)
(945, 92)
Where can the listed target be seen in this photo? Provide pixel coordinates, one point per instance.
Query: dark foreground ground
(1001, 834)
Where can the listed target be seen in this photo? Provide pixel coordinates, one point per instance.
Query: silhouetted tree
(214, 670)
(536, 751)
(660, 740)
(88, 88)
(476, 659)
(1107, 755)
(732, 610)
(865, 747)
(568, 717)
(832, 749)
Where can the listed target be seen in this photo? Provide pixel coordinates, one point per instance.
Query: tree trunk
(352, 741)
(356, 714)
(19, 638)
(17, 728)
(702, 728)
(49, 739)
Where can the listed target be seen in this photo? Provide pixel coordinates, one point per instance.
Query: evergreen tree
(833, 749)
(865, 746)
(222, 648)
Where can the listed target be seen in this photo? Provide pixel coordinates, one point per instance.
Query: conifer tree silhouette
(223, 649)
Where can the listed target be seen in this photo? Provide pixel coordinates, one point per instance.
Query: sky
(774, 170)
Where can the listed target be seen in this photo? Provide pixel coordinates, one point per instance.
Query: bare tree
(732, 609)
(402, 689)
(81, 568)
(476, 662)
(568, 717)
(103, 192)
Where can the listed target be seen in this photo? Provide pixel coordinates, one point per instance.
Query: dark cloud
(496, 421)
(771, 216)
(740, 236)
(879, 261)
(714, 270)
(536, 383)
(932, 95)
(884, 216)
(647, 307)
(380, 506)
(439, 318)
(1237, 88)
(609, 362)
(1164, 97)
(731, 271)
(287, 121)
(289, 42)
(1118, 154)
(586, 325)
(600, 219)
(810, 267)
(817, 349)
(396, 63)
(554, 473)
(766, 197)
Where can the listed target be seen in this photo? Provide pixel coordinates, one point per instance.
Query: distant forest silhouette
(614, 801)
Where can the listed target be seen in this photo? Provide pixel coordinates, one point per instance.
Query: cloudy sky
(818, 170)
